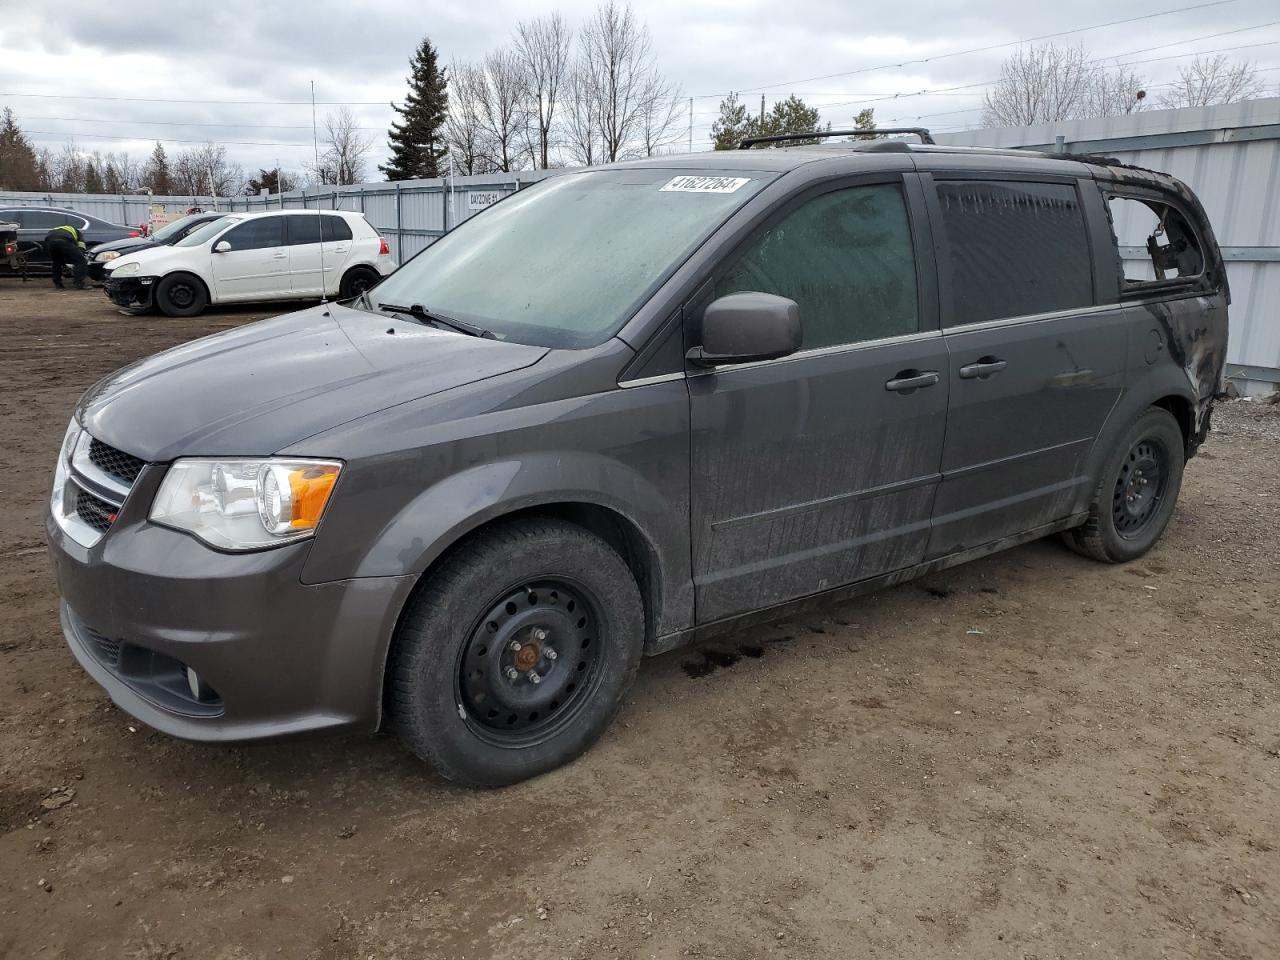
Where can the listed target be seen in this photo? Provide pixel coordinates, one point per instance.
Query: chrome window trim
(839, 348)
(1035, 317)
(646, 381)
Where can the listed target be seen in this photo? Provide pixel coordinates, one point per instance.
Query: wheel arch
(620, 532)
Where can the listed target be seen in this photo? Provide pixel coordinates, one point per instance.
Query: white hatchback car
(281, 255)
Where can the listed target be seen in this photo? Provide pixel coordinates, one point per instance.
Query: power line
(949, 91)
(181, 123)
(268, 103)
(993, 46)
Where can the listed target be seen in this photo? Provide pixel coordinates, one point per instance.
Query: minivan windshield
(207, 232)
(170, 230)
(567, 262)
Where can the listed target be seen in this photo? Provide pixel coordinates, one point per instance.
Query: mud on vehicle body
(622, 409)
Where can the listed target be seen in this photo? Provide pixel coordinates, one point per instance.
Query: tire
(534, 596)
(1136, 492)
(356, 280)
(181, 295)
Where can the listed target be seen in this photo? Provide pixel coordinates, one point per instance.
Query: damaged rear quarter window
(1154, 242)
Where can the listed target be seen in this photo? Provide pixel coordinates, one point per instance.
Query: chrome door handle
(908, 380)
(983, 368)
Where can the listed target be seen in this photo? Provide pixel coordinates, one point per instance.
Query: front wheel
(181, 295)
(1136, 491)
(514, 656)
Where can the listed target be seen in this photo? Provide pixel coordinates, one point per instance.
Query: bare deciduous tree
(1210, 80)
(581, 126)
(501, 101)
(618, 55)
(660, 127)
(205, 170)
(464, 129)
(346, 152)
(542, 48)
(1040, 84)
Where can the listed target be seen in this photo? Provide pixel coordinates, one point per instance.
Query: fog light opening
(200, 691)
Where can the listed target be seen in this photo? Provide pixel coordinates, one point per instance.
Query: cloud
(359, 54)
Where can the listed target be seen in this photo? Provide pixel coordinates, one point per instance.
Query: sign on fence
(479, 199)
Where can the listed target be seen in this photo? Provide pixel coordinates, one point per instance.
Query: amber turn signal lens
(309, 490)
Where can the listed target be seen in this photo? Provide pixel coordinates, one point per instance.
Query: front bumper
(274, 656)
(132, 293)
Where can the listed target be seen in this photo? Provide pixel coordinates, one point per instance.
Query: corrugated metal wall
(1230, 155)
(411, 213)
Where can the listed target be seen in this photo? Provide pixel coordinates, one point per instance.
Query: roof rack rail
(921, 132)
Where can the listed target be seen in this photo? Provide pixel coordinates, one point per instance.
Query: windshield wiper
(419, 312)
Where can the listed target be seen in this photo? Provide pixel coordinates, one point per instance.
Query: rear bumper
(135, 293)
(277, 657)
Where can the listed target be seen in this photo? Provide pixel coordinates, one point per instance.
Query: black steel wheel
(530, 662)
(1140, 487)
(181, 295)
(513, 655)
(1136, 490)
(356, 281)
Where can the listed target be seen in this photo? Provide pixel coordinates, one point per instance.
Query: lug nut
(539, 634)
(550, 653)
(514, 646)
(533, 676)
(512, 673)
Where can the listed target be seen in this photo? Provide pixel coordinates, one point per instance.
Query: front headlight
(245, 504)
(106, 255)
(69, 441)
(126, 270)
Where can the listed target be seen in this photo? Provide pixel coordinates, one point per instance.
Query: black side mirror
(742, 327)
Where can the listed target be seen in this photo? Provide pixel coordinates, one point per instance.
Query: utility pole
(762, 113)
(691, 124)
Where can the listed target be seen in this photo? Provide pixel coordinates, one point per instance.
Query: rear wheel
(356, 281)
(181, 295)
(514, 657)
(1136, 492)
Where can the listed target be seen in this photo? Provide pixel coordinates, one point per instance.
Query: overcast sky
(357, 53)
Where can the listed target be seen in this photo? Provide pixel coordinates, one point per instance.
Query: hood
(127, 245)
(152, 257)
(256, 389)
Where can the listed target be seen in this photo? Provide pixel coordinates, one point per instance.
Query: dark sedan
(165, 236)
(34, 223)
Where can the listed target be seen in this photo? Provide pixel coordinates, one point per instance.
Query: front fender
(445, 512)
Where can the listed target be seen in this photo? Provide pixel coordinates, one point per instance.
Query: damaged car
(281, 255)
(626, 408)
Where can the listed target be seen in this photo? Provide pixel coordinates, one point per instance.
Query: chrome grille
(91, 488)
(95, 511)
(123, 466)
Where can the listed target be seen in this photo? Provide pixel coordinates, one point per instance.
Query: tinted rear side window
(1015, 249)
(304, 229)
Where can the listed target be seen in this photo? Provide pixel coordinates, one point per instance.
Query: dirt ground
(1031, 756)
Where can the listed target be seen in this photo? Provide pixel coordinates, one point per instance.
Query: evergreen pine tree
(18, 168)
(93, 176)
(158, 179)
(417, 140)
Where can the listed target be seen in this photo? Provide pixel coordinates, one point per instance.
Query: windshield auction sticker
(704, 184)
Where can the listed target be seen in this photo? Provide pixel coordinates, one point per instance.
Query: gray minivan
(625, 408)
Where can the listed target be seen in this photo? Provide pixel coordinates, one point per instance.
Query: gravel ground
(1031, 756)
